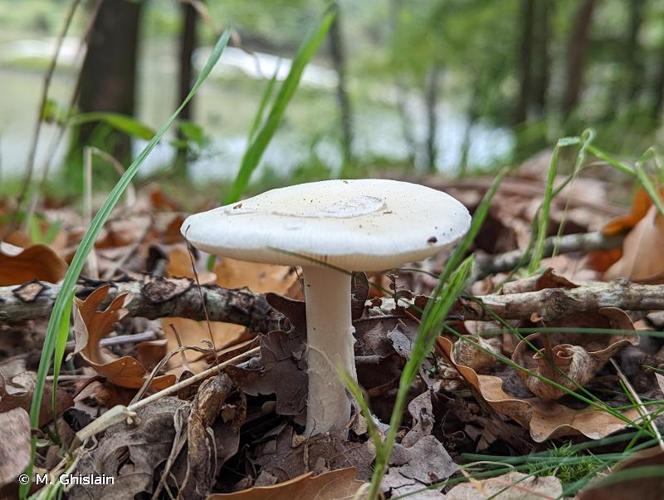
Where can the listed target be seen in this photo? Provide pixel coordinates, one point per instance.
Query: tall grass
(450, 284)
(259, 138)
(57, 331)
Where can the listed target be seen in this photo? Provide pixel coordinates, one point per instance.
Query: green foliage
(119, 122)
(264, 135)
(568, 471)
(57, 331)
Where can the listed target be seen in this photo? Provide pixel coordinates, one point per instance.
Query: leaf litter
(237, 434)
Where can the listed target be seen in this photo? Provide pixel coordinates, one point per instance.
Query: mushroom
(331, 228)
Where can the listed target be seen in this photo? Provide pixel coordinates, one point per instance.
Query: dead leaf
(636, 478)
(546, 420)
(14, 444)
(91, 325)
(602, 260)
(546, 279)
(642, 259)
(282, 367)
(331, 485)
(421, 412)
(229, 273)
(130, 453)
(38, 262)
(210, 446)
(16, 392)
(641, 204)
(573, 359)
(288, 455)
(511, 486)
(476, 355)
(412, 468)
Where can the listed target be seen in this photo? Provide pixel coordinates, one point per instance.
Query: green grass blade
(263, 137)
(122, 123)
(58, 325)
(543, 213)
(262, 106)
(426, 336)
(479, 215)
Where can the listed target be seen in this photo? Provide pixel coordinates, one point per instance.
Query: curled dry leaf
(38, 262)
(211, 441)
(638, 477)
(14, 444)
(478, 356)
(91, 325)
(641, 203)
(331, 485)
(570, 360)
(512, 486)
(544, 419)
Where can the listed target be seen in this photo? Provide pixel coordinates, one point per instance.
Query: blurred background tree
(453, 86)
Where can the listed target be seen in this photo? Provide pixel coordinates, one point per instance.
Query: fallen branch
(152, 299)
(552, 303)
(569, 243)
(161, 297)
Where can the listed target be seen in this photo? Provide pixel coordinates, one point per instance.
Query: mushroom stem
(329, 348)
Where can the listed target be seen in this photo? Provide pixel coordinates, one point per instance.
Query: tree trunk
(577, 48)
(338, 55)
(658, 88)
(108, 75)
(632, 59)
(186, 76)
(525, 60)
(431, 102)
(542, 56)
(473, 115)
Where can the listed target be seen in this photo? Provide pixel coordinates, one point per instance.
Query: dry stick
(581, 242)
(152, 299)
(198, 285)
(131, 338)
(162, 297)
(92, 264)
(643, 410)
(121, 413)
(42, 104)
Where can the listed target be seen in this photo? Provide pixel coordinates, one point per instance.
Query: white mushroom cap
(356, 225)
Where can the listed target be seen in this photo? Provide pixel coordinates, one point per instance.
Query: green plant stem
(58, 326)
(422, 346)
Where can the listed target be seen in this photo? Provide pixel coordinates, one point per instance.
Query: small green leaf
(122, 123)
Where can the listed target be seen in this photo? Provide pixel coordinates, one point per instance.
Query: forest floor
(545, 380)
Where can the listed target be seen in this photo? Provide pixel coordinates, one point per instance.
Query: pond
(225, 108)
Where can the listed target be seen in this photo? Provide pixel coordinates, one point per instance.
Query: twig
(156, 298)
(121, 413)
(152, 298)
(643, 410)
(490, 264)
(93, 267)
(133, 338)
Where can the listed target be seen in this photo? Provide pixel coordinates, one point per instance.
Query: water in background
(225, 109)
